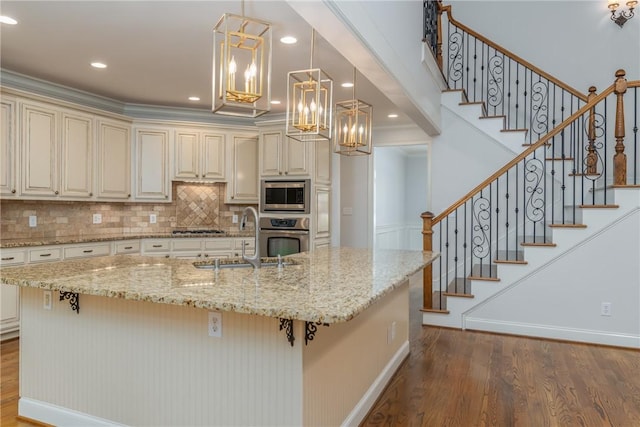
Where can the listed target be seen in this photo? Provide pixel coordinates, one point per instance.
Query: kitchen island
(127, 339)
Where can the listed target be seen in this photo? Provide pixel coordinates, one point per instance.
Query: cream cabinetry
(10, 295)
(126, 247)
(199, 156)
(114, 160)
(76, 155)
(152, 181)
(322, 167)
(57, 152)
(243, 179)
(156, 247)
(87, 250)
(8, 154)
(282, 156)
(39, 143)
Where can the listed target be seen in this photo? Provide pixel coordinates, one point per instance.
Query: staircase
(568, 187)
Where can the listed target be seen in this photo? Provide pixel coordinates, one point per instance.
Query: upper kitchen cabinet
(8, 155)
(199, 156)
(281, 156)
(114, 160)
(39, 143)
(243, 179)
(151, 150)
(322, 168)
(57, 152)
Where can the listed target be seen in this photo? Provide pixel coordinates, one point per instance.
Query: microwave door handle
(286, 232)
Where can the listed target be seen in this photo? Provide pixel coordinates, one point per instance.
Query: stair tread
(502, 116)
(459, 286)
(484, 272)
(557, 159)
(510, 256)
(515, 130)
(599, 206)
(568, 225)
(438, 301)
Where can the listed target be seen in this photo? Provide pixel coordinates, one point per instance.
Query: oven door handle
(285, 232)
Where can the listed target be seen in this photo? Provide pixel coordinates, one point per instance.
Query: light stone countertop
(91, 238)
(328, 285)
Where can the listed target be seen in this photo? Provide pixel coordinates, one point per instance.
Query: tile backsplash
(193, 206)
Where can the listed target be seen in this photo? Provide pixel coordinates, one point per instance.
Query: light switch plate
(33, 221)
(153, 219)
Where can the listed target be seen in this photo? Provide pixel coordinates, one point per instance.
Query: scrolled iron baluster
(533, 175)
(495, 70)
(481, 211)
(456, 64)
(539, 113)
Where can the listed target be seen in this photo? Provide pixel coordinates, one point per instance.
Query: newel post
(427, 274)
(620, 159)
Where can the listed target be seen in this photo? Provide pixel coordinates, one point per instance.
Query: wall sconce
(353, 125)
(623, 15)
(309, 103)
(241, 66)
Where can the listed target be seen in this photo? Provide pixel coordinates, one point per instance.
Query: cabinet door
(76, 166)
(297, 157)
(244, 179)
(39, 151)
(271, 154)
(213, 157)
(187, 155)
(152, 165)
(8, 157)
(114, 161)
(10, 308)
(323, 162)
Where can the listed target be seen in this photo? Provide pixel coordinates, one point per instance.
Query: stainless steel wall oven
(283, 236)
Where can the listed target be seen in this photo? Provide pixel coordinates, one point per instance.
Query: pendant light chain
(313, 42)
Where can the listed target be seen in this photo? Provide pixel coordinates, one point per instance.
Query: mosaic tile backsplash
(193, 206)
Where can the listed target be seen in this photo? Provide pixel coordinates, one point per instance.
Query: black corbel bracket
(74, 300)
(310, 329)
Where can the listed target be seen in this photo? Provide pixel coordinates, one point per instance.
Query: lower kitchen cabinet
(10, 296)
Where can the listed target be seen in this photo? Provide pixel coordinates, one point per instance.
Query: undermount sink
(240, 263)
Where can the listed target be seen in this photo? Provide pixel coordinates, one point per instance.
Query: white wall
(575, 41)
(563, 299)
(355, 199)
(416, 180)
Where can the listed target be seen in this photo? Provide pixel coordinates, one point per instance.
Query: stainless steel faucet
(255, 259)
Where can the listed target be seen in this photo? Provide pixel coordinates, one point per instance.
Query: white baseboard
(57, 415)
(553, 332)
(367, 401)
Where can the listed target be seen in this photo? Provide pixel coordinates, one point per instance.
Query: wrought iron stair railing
(527, 97)
(573, 167)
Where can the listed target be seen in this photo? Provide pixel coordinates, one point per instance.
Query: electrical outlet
(33, 221)
(153, 218)
(234, 219)
(46, 303)
(605, 309)
(215, 324)
(97, 218)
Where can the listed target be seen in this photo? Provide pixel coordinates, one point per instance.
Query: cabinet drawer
(45, 255)
(86, 251)
(127, 247)
(156, 246)
(186, 244)
(248, 243)
(218, 244)
(12, 257)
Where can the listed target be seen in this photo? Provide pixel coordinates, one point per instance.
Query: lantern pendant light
(353, 125)
(309, 103)
(241, 66)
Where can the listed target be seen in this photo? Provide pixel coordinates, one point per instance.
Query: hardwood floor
(462, 378)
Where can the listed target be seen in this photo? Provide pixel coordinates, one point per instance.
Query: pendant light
(353, 125)
(309, 103)
(241, 66)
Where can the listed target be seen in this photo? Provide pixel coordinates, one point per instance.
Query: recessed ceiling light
(98, 65)
(275, 102)
(347, 84)
(7, 20)
(288, 40)
(392, 116)
(194, 98)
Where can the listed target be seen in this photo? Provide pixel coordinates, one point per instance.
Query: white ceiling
(159, 52)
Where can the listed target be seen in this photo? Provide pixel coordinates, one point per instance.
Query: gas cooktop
(212, 231)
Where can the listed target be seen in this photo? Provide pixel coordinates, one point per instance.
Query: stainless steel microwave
(285, 196)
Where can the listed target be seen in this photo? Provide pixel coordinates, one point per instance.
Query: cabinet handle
(56, 192)
(199, 255)
(45, 255)
(157, 246)
(166, 256)
(13, 191)
(9, 258)
(232, 197)
(88, 251)
(279, 173)
(166, 196)
(286, 172)
(128, 247)
(206, 255)
(128, 196)
(90, 194)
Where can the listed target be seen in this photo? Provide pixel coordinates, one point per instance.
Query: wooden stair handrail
(585, 109)
(510, 54)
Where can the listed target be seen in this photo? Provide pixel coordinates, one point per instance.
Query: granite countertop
(328, 285)
(44, 241)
